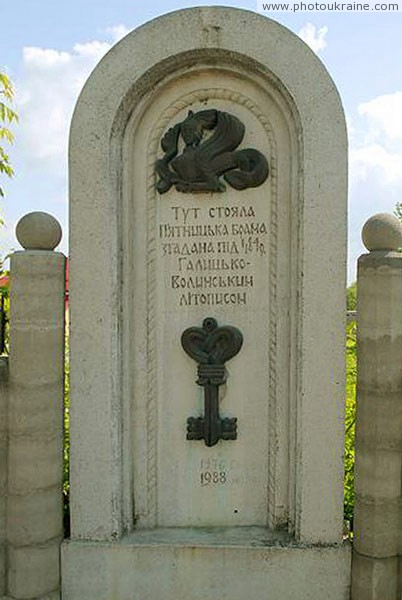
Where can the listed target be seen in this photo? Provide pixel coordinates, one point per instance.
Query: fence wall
(378, 457)
(31, 413)
(31, 417)
(3, 470)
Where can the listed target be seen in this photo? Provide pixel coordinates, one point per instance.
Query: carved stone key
(211, 346)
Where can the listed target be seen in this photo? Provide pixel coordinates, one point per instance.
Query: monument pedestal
(205, 564)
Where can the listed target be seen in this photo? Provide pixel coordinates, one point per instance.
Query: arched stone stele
(268, 260)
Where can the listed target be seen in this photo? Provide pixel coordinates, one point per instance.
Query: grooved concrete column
(378, 522)
(35, 416)
(3, 470)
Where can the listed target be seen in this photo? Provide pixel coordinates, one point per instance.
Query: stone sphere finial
(38, 231)
(382, 232)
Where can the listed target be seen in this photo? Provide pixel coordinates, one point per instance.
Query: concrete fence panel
(35, 412)
(378, 467)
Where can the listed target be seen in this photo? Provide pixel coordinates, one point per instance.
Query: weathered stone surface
(378, 473)
(382, 232)
(38, 283)
(248, 259)
(38, 231)
(33, 572)
(375, 373)
(285, 389)
(35, 463)
(43, 344)
(374, 578)
(103, 571)
(377, 527)
(36, 410)
(3, 573)
(380, 283)
(380, 418)
(35, 419)
(51, 596)
(36, 518)
(3, 469)
(378, 464)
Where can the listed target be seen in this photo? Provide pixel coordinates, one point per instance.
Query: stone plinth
(204, 565)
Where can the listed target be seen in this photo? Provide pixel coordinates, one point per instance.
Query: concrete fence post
(35, 412)
(3, 471)
(378, 459)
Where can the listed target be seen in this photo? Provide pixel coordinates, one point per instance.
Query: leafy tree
(350, 418)
(7, 116)
(351, 297)
(398, 210)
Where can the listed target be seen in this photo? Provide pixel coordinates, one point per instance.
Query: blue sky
(48, 48)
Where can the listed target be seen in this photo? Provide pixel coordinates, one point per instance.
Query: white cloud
(44, 58)
(314, 37)
(377, 149)
(47, 93)
(375, 164)
(90, 50)
(7, 239)
(117, 32)
(49, 87)
(384, 114)
(375, 160)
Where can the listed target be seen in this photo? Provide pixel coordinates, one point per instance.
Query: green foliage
(7, 117)
(398, 210)
(351, 296)
(351, 374)
(350, 417)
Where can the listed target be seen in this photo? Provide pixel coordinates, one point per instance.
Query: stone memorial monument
(207, 277)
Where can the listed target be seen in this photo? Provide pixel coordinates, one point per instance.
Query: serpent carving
(208, 156)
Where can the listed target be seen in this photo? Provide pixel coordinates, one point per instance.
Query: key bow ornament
(211, 346)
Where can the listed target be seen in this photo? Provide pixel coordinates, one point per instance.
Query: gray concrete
(35, 419)
(378, 466)
(204, 565)
(38, 231)
(3, 470)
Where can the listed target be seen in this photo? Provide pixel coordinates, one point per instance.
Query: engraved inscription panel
(213, 252)
(213, 258)
(195, 255)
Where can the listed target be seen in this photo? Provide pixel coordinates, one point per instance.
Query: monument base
(204, 564)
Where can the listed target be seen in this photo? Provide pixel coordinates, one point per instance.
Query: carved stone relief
(211, 346)
(206, 157)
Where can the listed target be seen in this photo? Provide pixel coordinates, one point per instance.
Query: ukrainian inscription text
(211, 253)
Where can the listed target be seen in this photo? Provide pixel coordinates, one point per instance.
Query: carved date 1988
(215, 471)
(213, 477)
